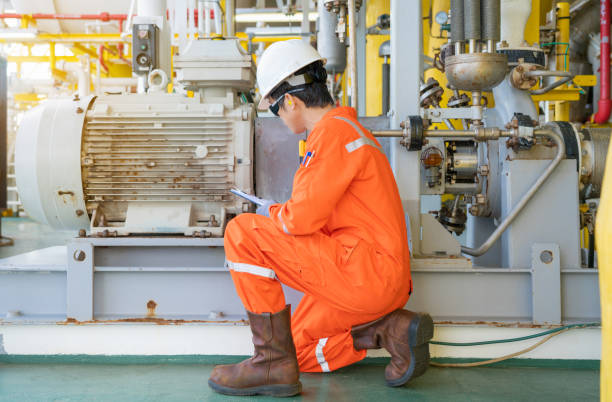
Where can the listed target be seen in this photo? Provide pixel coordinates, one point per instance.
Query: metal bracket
(439, 114)
(546, 283)
(79, 281)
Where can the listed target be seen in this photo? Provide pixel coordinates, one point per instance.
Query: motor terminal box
(144, 48)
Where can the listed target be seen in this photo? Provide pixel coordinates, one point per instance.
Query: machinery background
(485, 117)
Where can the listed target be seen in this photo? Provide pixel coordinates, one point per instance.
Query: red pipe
(41, 16)
(604, 105)
(101, 58)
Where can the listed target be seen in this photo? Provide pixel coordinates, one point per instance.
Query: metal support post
(546, 283)
(79, 281)
(406, 64)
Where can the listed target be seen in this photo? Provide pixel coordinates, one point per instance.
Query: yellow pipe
(603, 238)
(562, 55)
(66, 37)
(52, 58)
(373, 62)
(433, 39)
(40, 59)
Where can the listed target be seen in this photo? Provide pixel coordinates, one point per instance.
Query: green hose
(522, 338)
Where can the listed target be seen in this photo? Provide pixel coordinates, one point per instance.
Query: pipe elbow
(604, 106)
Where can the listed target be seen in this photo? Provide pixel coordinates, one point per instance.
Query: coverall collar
(337, 111)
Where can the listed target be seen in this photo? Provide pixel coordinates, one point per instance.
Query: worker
(340, 239)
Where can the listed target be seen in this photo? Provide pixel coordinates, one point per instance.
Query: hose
(522, 338)
(499, 359)
(526, 197)
(551, 333)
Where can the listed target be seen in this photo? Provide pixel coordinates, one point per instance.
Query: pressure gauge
(442, 17)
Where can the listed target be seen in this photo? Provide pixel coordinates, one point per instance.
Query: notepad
(254, 199)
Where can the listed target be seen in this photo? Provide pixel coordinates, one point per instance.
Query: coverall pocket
(358, 263)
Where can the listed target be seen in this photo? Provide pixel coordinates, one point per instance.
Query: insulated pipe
(526, 197)
(471, 22)
(207, 18)
(218, 18)
(604, 105)
(352, 51)
(128, 21)
(200, 18)
(230, 21)
(490, 17)
(457, 31)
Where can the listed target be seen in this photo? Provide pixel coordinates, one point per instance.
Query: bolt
(79, 255)
(82, 233)
(546, 256)
(79, 110)
(79, 212)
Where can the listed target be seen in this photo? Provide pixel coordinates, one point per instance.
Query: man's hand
(265, 208)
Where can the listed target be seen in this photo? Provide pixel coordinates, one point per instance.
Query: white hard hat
(279, 61)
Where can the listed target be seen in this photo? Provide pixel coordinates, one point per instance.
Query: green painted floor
(362, 382)
(99, 381)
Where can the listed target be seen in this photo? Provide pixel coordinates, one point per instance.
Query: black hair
(315, 93)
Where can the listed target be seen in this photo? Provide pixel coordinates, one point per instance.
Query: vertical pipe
(352, 52)
(218, 18)
(230, 21)
(457, 31)
(200, 18)
(386, 70)
(305, 27)
(471, 19)
(490, 19)
(191, 28)
(207, 18)
(406, 72)
(562, 51)
(604, 104)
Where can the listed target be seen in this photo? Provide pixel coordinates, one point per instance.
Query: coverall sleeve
(318, 185)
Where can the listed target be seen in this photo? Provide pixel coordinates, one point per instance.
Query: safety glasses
(275, 106)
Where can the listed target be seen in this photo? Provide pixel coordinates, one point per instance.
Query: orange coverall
(341, 240)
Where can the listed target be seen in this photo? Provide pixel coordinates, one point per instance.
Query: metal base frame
(180, 280)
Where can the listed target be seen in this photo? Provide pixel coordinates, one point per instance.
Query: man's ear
(289, 99)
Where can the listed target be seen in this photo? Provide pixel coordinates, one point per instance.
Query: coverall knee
(337, 297)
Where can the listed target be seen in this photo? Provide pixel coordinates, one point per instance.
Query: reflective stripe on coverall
(341, 240)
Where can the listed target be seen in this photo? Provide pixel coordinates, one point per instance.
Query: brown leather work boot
(406, 337)
(273, 370)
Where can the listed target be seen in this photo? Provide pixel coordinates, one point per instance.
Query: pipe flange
(462, 101)
(413, 133)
